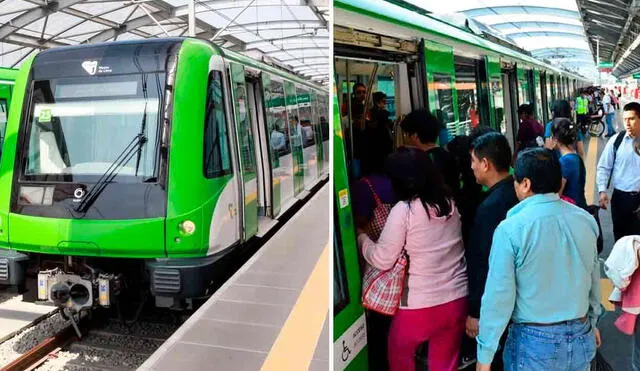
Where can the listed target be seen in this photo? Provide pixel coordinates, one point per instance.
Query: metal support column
(192, 18)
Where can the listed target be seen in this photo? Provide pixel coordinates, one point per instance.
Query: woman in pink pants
(426, 223)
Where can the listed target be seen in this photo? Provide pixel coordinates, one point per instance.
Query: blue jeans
(609, 119)
(570, 346)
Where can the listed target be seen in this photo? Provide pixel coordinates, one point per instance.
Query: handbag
(379, 215)
(382, 290)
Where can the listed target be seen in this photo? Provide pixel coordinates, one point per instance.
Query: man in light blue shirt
(543, 277)
(625, 177)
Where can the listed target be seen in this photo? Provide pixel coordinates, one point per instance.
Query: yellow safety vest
(581, 106)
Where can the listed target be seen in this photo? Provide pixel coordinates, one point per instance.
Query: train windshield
(78, 128)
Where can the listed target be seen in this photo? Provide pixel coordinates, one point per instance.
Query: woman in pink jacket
(426, 223)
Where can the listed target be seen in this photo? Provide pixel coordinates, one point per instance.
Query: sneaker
(466, 361)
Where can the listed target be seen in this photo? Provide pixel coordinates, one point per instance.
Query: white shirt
(606, 103)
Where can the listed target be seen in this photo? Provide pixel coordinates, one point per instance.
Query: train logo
(91, 67)
(78, 193)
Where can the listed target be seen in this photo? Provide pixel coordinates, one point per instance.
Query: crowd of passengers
(502, 247)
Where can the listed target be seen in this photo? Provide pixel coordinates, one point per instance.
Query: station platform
(616, 346)
(272, 313)
(16, 315)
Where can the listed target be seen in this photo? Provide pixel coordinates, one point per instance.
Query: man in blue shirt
(625, 175)
(543, 276)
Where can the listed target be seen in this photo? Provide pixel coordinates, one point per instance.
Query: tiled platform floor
(237, 327)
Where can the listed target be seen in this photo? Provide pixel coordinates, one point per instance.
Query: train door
(307, 130)
(295, 136)
(263, 155)
(282, 195)
(220, 160)
(443, 98)
(323, 99)
(245, 144)
(315, 113)
(349, 321)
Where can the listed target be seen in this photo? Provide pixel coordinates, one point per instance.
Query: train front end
(84, 172)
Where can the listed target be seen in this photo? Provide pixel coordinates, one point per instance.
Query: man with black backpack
(619, 166)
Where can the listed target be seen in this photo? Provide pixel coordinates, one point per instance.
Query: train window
(340, 293)
(72, 120)
(217, 161)
(276, 117)
(524, 95)
(245, 137)
(294, 128)
(4, 116)
(498, 102)
(444, 104)
(538, 98)
(467, 90)
(303, 98)
(550, 96)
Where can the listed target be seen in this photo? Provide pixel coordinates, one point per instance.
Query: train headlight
(188, 227)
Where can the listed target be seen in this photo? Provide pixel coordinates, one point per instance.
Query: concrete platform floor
(16, 314)
(616, 346)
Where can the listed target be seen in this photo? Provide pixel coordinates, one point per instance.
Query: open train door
(245, 145)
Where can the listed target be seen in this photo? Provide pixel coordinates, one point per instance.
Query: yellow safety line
(590, 191)
(250, 197)
(297, 341)
(605, 290)
(592, 156)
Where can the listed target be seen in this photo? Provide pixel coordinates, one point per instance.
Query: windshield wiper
(123, 158)
(143, 124)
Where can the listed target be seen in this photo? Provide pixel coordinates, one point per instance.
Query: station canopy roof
(615, 26)
(292, 34)
(551, 30)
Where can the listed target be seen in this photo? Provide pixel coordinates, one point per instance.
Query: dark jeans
(625, 221)
(377, 338)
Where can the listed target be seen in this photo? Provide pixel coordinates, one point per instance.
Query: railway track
(106, 344)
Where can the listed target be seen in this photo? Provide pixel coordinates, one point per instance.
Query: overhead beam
(547, 33)
(294, 39)
(633, 11)
(536, 25)
(288, 50)
(129, 26)
(521, 9)
(582, 16)
(32, 42)
(317, 12)
(34, 15)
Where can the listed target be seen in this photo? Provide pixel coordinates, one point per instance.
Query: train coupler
(78, 292)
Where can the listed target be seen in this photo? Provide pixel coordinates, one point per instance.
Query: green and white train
(418, 61)
(141, 164)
